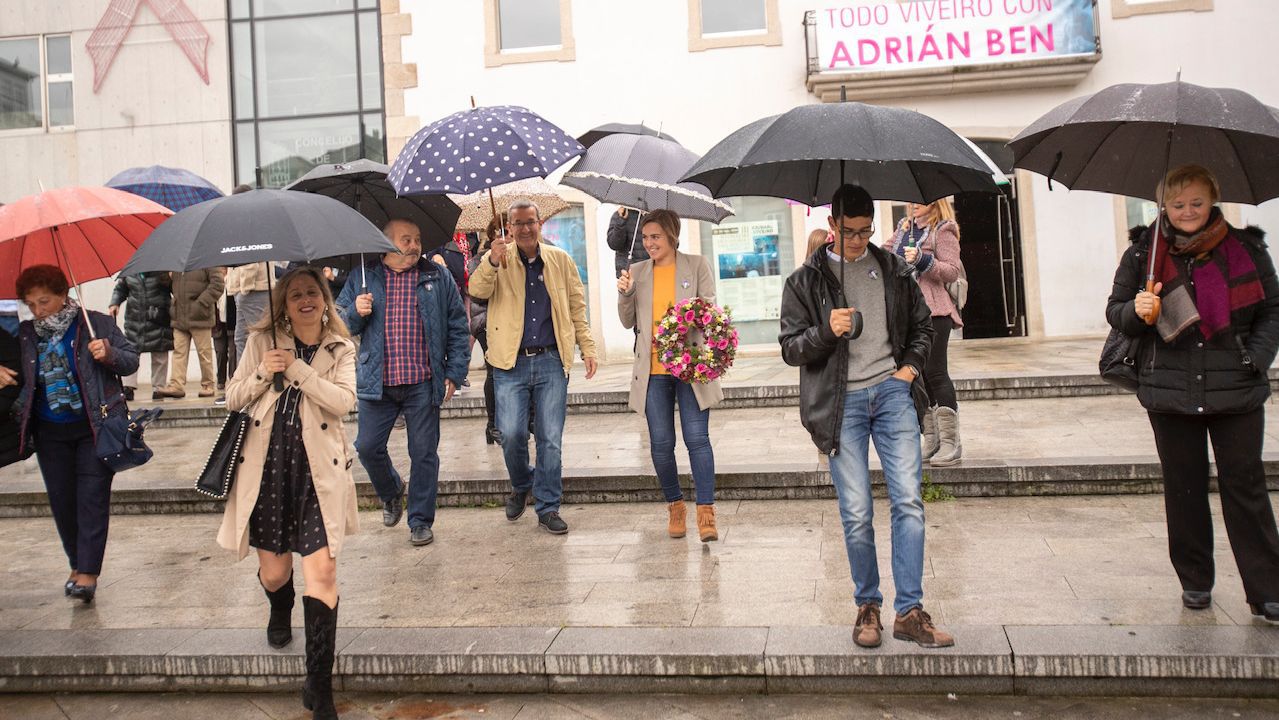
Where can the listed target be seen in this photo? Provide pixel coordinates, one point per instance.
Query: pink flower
(683, 329)
(701, 368)
(688, 316)
(686, 359)
(706, 319)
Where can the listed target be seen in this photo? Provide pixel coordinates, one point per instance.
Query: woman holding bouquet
(644, 294)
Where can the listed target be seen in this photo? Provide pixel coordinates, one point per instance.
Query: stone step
(764, 481)
(1134, 660)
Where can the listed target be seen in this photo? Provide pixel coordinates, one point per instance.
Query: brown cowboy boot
(677, 525)
(706, 523)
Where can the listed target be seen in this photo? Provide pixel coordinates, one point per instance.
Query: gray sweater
(870, 356)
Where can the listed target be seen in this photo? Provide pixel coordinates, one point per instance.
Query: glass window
(246, 161)
(57, 65)
(242, 67)
(289, 148)
(374, 138)
(21, 105)
(267, 8)
(57, 51)
(1140, 212)
(733, 16)
(524, 24)
(61, 110)
(567, 231)
(370, 61)
(751, 257)
(239, 8)
(306, 66)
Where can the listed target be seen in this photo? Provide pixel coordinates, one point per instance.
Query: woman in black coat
(68, 380)
(1202, 369)
(146, 322)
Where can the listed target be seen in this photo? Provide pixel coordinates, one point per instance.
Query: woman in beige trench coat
(294, 492)
(644, 293)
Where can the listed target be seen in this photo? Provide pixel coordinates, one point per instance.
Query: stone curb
(1022, 660)
(795, 480)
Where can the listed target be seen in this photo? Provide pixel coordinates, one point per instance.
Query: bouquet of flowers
(696, 341)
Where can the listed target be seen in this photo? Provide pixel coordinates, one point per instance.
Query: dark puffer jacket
(146, 299)
(98, 381)
(1191, 375)
(811, 292)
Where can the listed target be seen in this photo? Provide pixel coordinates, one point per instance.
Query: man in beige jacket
(192, 312)
(536, 315)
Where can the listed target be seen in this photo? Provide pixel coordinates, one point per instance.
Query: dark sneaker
(515, 504)
(1196, 599)
(552, 523)
(917, 627)
(393, 510)
(868, 630)
(421, 535)
(128, 393)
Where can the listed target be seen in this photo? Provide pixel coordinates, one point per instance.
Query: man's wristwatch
(914, 371)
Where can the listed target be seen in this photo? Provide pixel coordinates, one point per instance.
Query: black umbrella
(362, 185)
(257, 226)
(809, 151)
(594, 135)
(1125, 138)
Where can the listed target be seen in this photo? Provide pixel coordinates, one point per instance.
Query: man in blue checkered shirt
(414, 353)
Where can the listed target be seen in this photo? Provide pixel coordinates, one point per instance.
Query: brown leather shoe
(706, 523)
(868, 631)
(916, 626)
(206, 392)
(170, 392)
(677, 525)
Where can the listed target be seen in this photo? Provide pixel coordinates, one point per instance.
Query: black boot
(279, 629)
(321, 626)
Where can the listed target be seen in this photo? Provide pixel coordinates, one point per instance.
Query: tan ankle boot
(706, 523)
(678, 524)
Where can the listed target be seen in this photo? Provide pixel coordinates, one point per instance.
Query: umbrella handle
(1154, 311)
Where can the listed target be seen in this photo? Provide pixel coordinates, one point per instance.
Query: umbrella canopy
(88, 232)
(480, 148)
(477, 211)
(257, 226)
(643, 172)
(362, 185)
(805, 153)
(594, 135)
(173, 188)
(1125, 138)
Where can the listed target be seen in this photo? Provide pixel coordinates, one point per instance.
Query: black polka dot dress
(287, 516)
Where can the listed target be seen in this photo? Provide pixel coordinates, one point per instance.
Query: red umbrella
(88, 232)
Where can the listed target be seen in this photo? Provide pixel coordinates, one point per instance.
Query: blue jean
(422, 423)
(886, 414)
(659, 410)
(539, 379)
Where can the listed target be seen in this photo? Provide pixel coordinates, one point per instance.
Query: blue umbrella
(173, 188)
(480, 148)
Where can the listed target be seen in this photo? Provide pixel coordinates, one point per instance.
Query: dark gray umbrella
(594, 135)
(809, 151)
(1125, 138)
(643, 172)
(362, 185)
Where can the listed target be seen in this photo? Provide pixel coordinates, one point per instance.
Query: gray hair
(523, 203)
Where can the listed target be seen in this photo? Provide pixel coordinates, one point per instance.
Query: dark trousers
(1182, 441)
(224, 344)
(941, 389)
(490, 400)
(422, 421)
(79, 488)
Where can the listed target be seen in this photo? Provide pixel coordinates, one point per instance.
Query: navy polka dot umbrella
(480, 148)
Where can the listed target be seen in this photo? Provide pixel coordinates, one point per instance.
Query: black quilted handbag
(1118, 364)
(219, 470)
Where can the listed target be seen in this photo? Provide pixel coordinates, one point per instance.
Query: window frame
(42, 50)
(1123, 8)
(698, 42)
(495, 56)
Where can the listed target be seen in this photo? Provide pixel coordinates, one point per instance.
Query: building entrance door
(990, 246)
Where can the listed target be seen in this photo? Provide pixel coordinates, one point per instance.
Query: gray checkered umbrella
(643, 172)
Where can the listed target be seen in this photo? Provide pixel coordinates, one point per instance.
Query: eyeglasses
(523, 224)
(850, 234)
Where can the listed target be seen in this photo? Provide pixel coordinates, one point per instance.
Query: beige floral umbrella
(477, 211)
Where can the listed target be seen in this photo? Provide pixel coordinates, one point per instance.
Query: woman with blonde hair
(1201, 372)
(928, 238)
(644, 293)
(293, 491)
(816, 239)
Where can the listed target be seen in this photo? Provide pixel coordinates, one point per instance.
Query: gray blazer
(693, 278)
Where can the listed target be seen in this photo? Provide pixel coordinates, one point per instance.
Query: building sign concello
(870, 36)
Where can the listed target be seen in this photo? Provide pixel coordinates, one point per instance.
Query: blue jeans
(885, 413)
(541, 380)
(422, 422)
(659, 410)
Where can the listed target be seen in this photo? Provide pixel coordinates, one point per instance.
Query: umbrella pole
(1159, 227)
(634, 239)
(57, 245)
(359, 207)
(278, 380)
(493, 207)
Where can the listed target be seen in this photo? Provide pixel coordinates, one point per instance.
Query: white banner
(883, 35)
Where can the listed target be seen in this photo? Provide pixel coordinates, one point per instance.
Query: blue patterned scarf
(61, 391)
